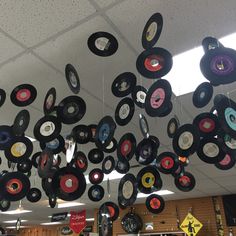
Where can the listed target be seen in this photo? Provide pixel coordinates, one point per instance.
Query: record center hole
(21, 122)
(154, 62)
(126, 147)
(207, 125)
(71, 110)
(69, 183)
(14, 186)
(148, 180)
(220, 66)
(23, 94)
(96, 176)
(202, 95)
(82, 134)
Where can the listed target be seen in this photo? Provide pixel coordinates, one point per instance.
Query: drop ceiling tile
(33, 22)
(105, 3)
(226, 181)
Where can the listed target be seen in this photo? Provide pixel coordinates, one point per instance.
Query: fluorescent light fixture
(185, 74)
(112, 176)
(161, 192)
(13, 221)
(90, 219)
(31, 139)
(51, 223)
(14, 227)
(15, 212)
(69, 204)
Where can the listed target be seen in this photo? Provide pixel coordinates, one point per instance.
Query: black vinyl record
(96, 193)
(167, 110)
(123, 84)
(139, 95)
(52, 200)
(202, 95)
(23, 95)
(211, 43)
(21, 123)
(227, 143)
(186, 140)
(143, 125)
(105, 131)
(14, 186)
(131, 223)
(154, 63)
(35, 159)
(20, 148)
(81, 161)
(126, 146)
(56, 145)
(113, 210)
(4, 205)
(104, 222)
(185, 182)
(62, 189)
(82, 134)
(47, 128)
(149, 180)
(124, 111)
(96, 176)
(102, 44)
(155, 203)
(122, 166)
(227, 163)
(179, 172)
(146, 151)
(172, 127)
(127, 191)
(47, 186)
(210, 150)
(34, 195)
(2, 97)
(71, 109)
(207, 124)
(72, 78)
(167, 162)
(49, 101)
(93, 128)
(152, 31)
(158, 98)
(6, 135)
(108, 165)
(218, 66)
(24, 166)
(95, 156)
(111, 147)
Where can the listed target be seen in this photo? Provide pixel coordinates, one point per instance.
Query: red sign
(77, 221)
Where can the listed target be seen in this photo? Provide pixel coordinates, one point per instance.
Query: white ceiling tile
(105, 3)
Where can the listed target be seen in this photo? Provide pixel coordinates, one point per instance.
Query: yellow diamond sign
(191, 225)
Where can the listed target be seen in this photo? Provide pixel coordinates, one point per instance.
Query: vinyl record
(167, 110)
(167, 162)
(105, 131)
(82, 134)
(70, 148)
(186, 140)
(23, 95)
(139, 95)
(93, 128)
(149, 180)
(127, 191)
(155, 139)
(146, 151)
(123, 84)
(21, 123)
(227, 163)
(47, 128)
(210, 151)
(68, 183)
(4, 205)
(132, 223)
(158, 98)
(218, 98)
(104, 222)
(152, 31)
(47, 186)
(56, 145)
(35, 159)
(81, 161)
(154, 63)
(6, 135)
(179, 172)
(102, 44)
(122, 166)
(111, 147)
(49, 101)
(202, 95)
(126, 147)
(96, 193)
(2, 97)
(20, 148)
(71, 109)
(113, 210)
(96, 176)
(143, 125)
(211, 43)
(207, 124)
(34, 195)
(14, 186)
(218, 66)
(95, 156)
(108, 165)
(52, 200)
(155, 203)
(172, 126)
(24, 166)
(227, 143)
(124, 111)
(185, 182)
(72, 78)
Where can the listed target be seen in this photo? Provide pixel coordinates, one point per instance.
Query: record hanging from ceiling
(72, 78)
(49, 101)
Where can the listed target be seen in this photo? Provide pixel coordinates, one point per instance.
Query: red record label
(81, 164)
(126, 147)
(69, 183)
(14, 186)
(157, 98)
(23, 95)
(155, 203)
(184, 180)
(44, 160)
(226, 160)
(111, 211)
(206, 125)
(154, 63)
(167, 163)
